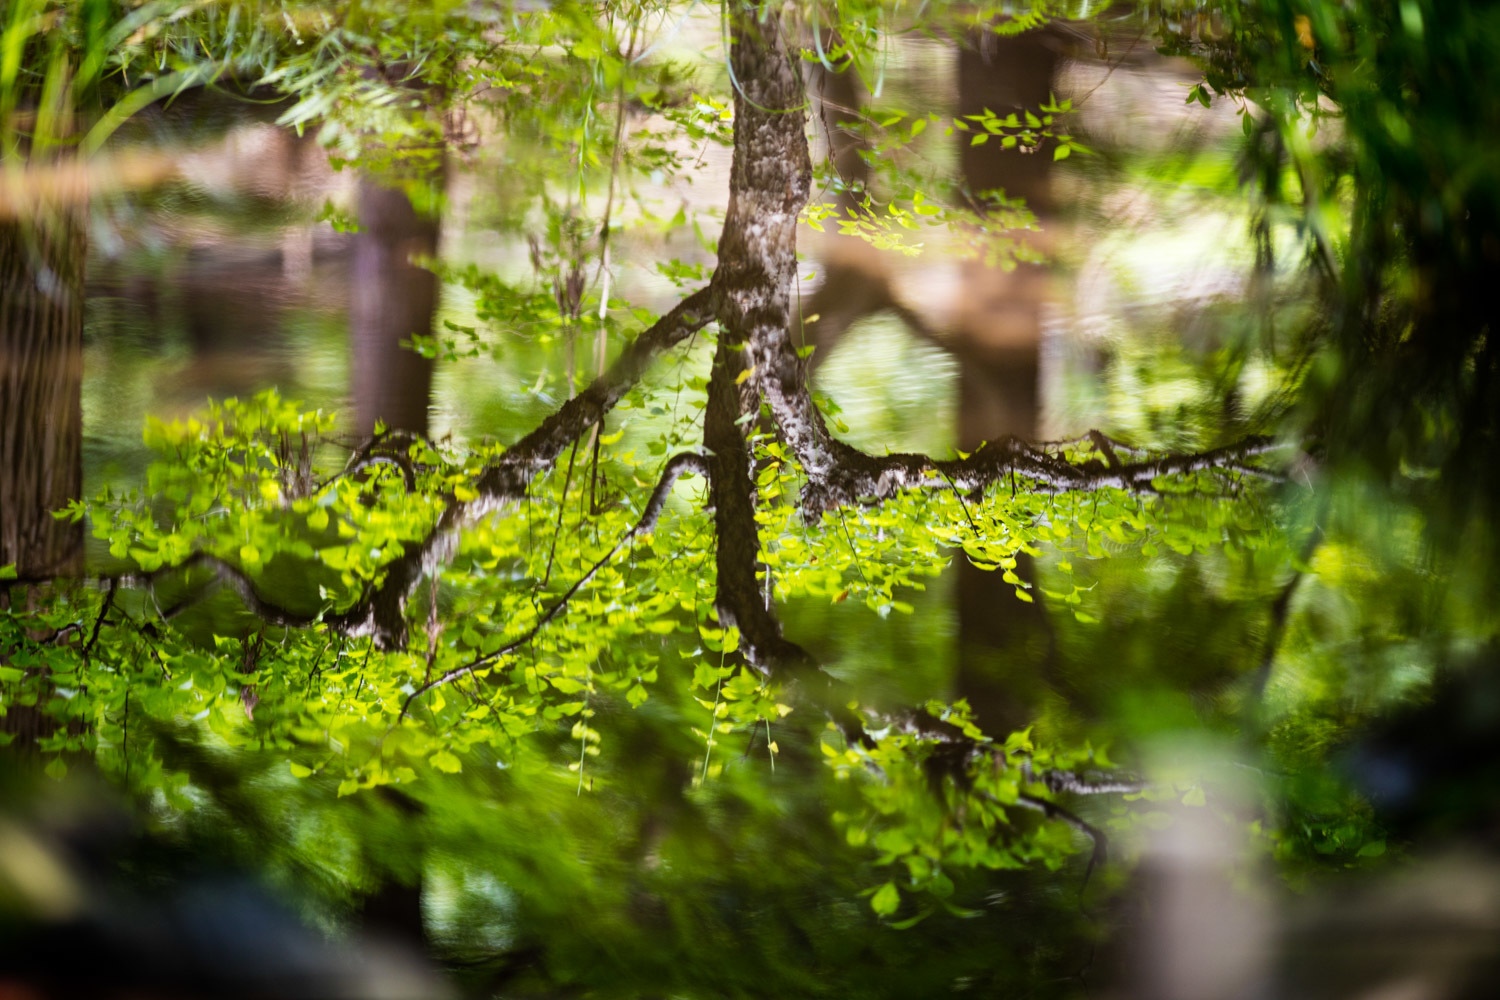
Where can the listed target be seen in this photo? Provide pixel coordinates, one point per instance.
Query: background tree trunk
(41, 416)
(1002, 640)
(391, 300)
(41, 391)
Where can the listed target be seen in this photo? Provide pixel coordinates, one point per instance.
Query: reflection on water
(229, 279)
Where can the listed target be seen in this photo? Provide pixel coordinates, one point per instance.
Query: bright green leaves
(704, 118)
(567, 685)
(239, 483)
(446, 761)
(872, 554)
(985, 224)
(927, 812)
(884, 224)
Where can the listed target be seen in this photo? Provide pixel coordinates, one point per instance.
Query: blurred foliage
(1370, 125)
(620, 805)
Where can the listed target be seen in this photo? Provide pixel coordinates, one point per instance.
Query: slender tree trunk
(1002, 641)
(391, 301)
(41, 391)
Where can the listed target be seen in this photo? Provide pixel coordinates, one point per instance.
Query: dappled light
(748, 500)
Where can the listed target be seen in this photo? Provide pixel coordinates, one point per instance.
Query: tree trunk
(752, 285)
(391, 301)
(41, 417)
(1001, 640)
(41, 392)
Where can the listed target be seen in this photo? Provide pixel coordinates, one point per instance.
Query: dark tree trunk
(391, 300)
(41, 417)
(1002, 640)
(41, 392)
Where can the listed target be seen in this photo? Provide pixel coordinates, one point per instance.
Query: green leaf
(299, 770)
(446, 762)
(886, 899)
(1194, 797)
(901, 925)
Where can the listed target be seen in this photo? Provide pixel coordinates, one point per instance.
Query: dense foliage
(528, 640)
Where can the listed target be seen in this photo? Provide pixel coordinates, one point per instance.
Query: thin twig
(679, 465)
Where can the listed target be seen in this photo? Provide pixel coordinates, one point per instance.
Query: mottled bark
(741, 599)
(768, 187)
(753, 295)
(392, 300)
(41, 379)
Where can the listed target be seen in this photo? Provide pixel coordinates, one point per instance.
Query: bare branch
(1052, 810)
(108, 602)
(840, 475)
(1280, 613)
(1088, 783)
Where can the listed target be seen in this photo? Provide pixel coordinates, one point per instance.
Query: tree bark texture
(41, 392)
(768, 186)
(41, 417)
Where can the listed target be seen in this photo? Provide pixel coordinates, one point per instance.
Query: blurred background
(1338, 694)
